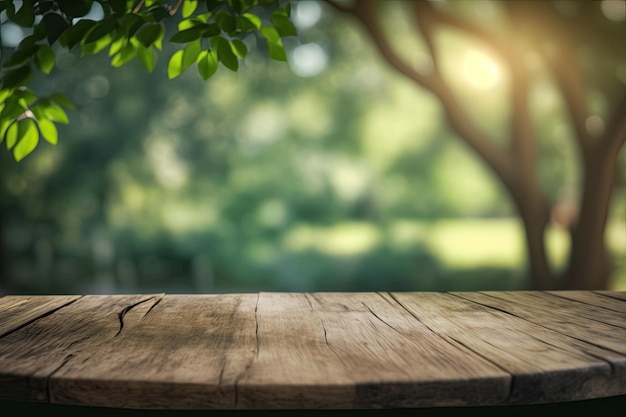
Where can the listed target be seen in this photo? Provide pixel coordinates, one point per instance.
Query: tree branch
(615, 136)
(422, 14)
(462, 25)
(558, 54)
(138, 6)
(496, 158)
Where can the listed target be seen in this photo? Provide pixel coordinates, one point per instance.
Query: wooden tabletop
(313, 350)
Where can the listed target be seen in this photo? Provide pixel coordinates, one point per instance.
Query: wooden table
(313, 350)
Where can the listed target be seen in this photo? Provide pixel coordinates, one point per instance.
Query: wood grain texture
(183, 353)
(30, 355)
(620, 295)
(17, 311)
(313, 350)
(587, 323)
(605, 301)
(542, 362)
(359, 350)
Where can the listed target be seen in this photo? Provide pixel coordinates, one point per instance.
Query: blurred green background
(329, 173)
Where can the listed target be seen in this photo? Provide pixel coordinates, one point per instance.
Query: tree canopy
(209, 34)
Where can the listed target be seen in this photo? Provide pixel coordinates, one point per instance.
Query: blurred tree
(581, 43)
(578, 41)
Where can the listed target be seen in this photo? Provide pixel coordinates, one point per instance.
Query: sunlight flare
(481, 71)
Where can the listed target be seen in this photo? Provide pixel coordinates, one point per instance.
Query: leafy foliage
(208, 33)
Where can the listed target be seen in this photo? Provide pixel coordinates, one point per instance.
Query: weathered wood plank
(620, 295)
(396, 361)
(31, 354)
(295, 367)
(359, 350)
(546, 366)
(590, 324)
(308, 351)
(187, 352)
(592, 298)
(17, 311)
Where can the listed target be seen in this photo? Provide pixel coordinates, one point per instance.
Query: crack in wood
(543, 326)
(449, 339)
(328, 344)
(57, 369)
(611, 365)
(383, 321)
(256, 329)
(609, 295)
(43, 315)
(159, 299)
(126, 309)
(256, 353)
(590, 305)
(221, 377)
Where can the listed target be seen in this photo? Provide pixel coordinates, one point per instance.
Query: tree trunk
(534, 213)
(589, 265)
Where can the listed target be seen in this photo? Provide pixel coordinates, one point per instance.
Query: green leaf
(131, 23)
(100, 30)
(55, 24)
(190, 54)
(270, 33)
(117, 44)
(239, 48)
(187, 24)
(20, 56)
(150, 33)
(121, 6)
(211, 5)
(147, 57)
(235, 5)
(28, 42)
(127, 53)
(159, 13)
(17, 77)
(27, 140)
(75, 8)
(190, 34)
(39, 31)
(11, 135)
(245, 25)
(52, 111)
(227, 21)
(97, 46)
(25, 16)
(25, 97)
(45, 6)
(48, 130)
(62, 100)
(4, 125)
(12, 109)
(45, 59)
(213, 29)
(4, 94)
(277, 51)
(225, 53)
(282, 23)
(175, 64)
(74, 34)
(255, 20)
(207, 64)
(189, 6)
